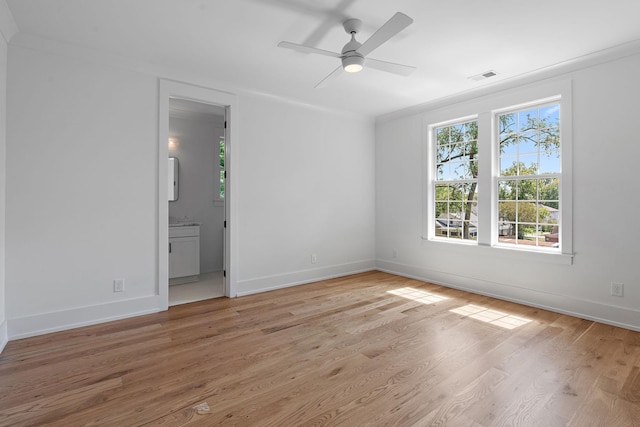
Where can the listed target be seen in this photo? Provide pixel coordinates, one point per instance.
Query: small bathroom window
(222, 174)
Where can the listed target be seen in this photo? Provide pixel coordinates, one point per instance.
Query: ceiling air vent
(483, 76)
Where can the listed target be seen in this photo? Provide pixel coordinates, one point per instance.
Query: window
(456, 183)
(529, 179)
(515, 147)
(221, 169)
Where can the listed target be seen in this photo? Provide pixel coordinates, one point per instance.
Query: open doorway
(196, 150)
(193, 103)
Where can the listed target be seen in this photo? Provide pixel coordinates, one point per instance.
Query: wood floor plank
(371, 349)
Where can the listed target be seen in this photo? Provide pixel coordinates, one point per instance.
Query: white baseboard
(270, 283)
(4, 336)
(565, 304)
(44, 323)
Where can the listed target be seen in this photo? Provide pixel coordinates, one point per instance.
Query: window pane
(457, 150)
(458, 191)
(471, 213)
(550, 162)
(507, 190)
(457, 133)
(472, 149)
(506, 211)
(527, 212)
(551, 234)
(221, 184)
(507, 123)
(508, 166)
(528, 189)
(221, 153)
(442, 192)
(473, 169)
(550, 191)
(471, 131)
(546, 214)
(527, 120)
(443, 152)
(460, 170)
(506, 233)
(509, 146)
(442, 135)
(442, 172)
(549, 139)
(528, 164)
(455, 210)
(550, 115)
(529, 142)
(442, 208)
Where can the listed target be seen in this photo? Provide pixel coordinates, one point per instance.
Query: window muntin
(529, 177)
(456, 181)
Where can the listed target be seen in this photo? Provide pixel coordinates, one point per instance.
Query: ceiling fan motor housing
(352, 64)
(352, 61)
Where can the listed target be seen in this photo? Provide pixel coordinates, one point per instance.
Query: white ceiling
(235, 41)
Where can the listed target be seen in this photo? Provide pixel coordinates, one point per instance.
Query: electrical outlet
(394, 253)
(617, 289)
(314, 258)
(118, 285)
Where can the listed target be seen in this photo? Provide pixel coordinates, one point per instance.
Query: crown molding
(557, 70)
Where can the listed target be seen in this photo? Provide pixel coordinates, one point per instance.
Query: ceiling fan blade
(389, 67)
(393, 26)
(335, 73)
(308, 49)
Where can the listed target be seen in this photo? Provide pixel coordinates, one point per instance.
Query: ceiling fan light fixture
(352, 64)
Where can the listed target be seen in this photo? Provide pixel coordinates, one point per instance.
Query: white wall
(197, 152)
(81, 191)
(82, 187)
(306, 186)
(606, 150)
(3, 163)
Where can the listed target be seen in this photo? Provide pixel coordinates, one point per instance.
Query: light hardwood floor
(370, 349)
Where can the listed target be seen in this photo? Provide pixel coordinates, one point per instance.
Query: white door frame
(172, 89)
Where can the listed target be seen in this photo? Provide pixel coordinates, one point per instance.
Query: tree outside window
(529, 177)
(456, 182)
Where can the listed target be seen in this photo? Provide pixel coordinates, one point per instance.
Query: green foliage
(522, 212)
(536, 126)
(221, 155)
(457, 151)
(550, 192)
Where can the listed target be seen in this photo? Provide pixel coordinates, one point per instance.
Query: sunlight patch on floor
(417, 295)
(498, 318)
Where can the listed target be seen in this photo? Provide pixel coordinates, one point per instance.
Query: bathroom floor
(209, 286)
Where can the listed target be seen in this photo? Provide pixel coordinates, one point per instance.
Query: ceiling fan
(354, 54)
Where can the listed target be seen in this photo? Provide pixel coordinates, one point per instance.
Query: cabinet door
(184, 256)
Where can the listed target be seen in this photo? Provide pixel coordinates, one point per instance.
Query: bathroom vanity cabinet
(184, 253)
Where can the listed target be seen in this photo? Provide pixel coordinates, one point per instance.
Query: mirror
(173, 179)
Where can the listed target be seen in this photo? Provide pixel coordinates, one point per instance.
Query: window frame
(435, 182)
(498, 177)
(485, 109)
